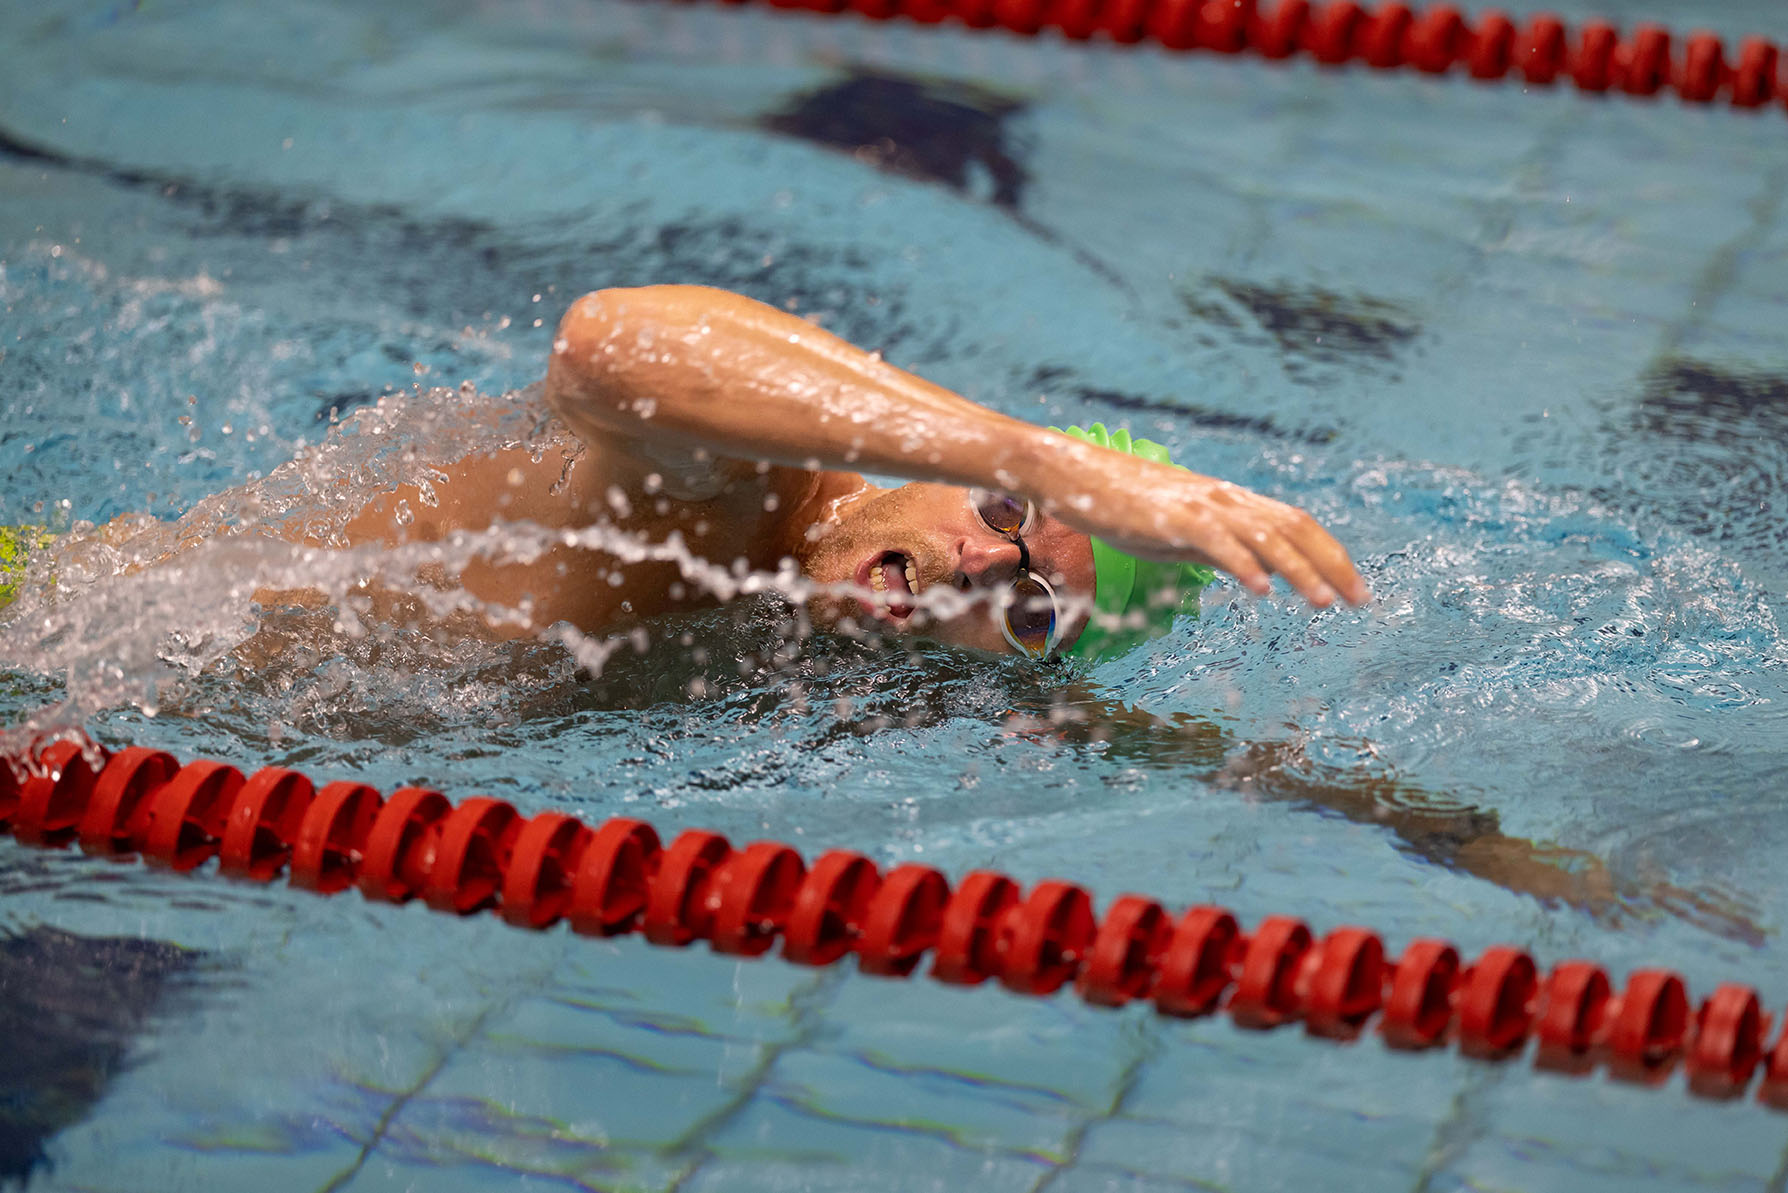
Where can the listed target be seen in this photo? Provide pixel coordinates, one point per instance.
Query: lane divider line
(1540, 51)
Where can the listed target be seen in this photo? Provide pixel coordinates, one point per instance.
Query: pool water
(1522, 350)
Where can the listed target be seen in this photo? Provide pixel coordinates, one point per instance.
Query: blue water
(1523, 350)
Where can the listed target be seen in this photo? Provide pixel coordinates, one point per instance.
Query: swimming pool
(1524, 351)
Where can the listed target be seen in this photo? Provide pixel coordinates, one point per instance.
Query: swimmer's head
(1028, 577)
(893, 545)
(1136, 599)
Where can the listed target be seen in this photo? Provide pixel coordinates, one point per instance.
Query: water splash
(131, 612)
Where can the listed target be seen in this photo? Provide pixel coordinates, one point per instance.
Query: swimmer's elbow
(590, 333)
(586, 374)
(620, 354)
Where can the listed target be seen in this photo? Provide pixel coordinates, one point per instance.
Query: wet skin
(836, 526)
(690, 373)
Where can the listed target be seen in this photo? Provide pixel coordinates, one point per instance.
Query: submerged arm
(1437, 829)
(718, 375)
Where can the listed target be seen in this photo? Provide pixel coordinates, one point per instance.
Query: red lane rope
(618, 877)
(1540, 51)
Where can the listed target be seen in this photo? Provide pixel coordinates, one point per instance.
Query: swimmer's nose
(986, 560)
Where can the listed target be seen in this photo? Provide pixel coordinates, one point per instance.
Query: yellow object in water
(16, 545)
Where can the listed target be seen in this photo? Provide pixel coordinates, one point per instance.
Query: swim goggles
(1030, 615)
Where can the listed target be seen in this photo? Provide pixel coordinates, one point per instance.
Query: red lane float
(617, 877)
(1435, 40)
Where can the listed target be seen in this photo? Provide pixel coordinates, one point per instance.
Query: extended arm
(1438, 829)
(714, 374)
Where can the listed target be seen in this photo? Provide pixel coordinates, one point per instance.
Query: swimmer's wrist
(1057, 471)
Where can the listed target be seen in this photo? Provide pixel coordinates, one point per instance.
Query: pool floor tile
(1546, 1131)
(1109, 1178)
(1054, 1051)
(95, 1157)
(623, 1174)
(497, 1099)
(964, 1110)
(771, 1146)
(684, 989)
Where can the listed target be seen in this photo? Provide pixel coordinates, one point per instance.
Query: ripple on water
(1677, 733)
(1712, 455)
(1517, 632)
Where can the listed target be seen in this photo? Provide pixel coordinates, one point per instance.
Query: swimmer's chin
(846, 615)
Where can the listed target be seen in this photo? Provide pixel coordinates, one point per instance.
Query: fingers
(1224, 550)
(1326, 557)
(1250, 536)
(1289, 542)
(1280, 556)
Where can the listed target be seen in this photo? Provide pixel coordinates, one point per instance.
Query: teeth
(912, 577)
(878, 581)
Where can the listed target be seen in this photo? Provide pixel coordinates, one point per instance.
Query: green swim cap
(16, 545)
(1125, 586)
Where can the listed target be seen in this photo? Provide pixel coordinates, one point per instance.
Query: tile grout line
(806, 1001)
(405, 1097)
(1462, 1127)
(1721, 269)
(1148, 1047)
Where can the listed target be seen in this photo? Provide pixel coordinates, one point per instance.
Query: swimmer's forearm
(705, 369)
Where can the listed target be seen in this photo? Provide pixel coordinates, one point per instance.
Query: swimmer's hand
(1157, 511)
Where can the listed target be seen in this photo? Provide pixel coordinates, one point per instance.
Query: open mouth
(894, 579)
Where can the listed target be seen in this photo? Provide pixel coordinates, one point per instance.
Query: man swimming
(736, 429)
(704, 416)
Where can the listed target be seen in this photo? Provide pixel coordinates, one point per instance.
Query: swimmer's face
(932, 534)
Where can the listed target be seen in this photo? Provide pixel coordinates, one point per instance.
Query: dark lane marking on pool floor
(933, 131)
(70, 1009)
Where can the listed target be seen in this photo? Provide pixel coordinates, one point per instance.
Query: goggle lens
(1031, 617)
(1003, 514)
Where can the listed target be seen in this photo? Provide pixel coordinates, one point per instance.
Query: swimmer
(705, 418)
(741, 429)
